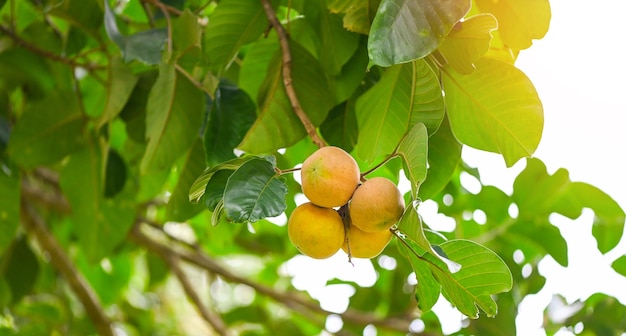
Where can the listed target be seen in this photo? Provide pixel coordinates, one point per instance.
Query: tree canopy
(150, 153)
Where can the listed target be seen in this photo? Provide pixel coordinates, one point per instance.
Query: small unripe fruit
(329, 177)
(365, 244)
(315, 231)
(376, 205)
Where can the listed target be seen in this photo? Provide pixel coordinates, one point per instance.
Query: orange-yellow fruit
(376, 205)
(315, 231)
(366, 244)
(329, 177)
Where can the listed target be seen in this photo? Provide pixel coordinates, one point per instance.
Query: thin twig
(37, 228)
(211, 317)
(164, 7)
(287, 79)
(47, 54)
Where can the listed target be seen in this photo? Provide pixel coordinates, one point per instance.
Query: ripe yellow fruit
(366, 244)
(376, 205)
(329, 177)
(315, 231)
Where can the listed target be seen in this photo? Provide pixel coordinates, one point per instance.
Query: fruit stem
(287, 79)
(286, 171)
(378, 165)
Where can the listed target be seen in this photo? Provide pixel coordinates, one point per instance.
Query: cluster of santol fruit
(343, 213)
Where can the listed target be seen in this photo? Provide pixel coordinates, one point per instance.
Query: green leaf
(352, 75)
(47, 131)
(468, 41)
(119, 88)
(186, 33)
(257, 60)
(405, 95)
(100, 223)
(428, 288)
(519, 22)
(277, 125)
(406, 30)
(482, 274)
(109, 278)
(174, 117)
(495, 108)
(197, 189)
(190, 166)
(340, 127)
(619, 265)
(358, 13)
(20, 268)
(233, 24)
(253, 192)
(10, 190)
(145, 46)
(444, 155)
(231, 115)
(338, 44)
(214, 192)
(414, 152)
(115, 174)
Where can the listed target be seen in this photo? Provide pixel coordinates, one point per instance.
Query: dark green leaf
(497, 113)
(190, 166)
(9, 205)
(406, 30)
(115, 174)
(444, 155)
(119, 88)
(214, 192)
(100, 223)
(47, 131)
(253, 192)
(414, 152)
(174, 117)
(233, 24)
(340, 128)
(197, 189)
(19, 267)
(134, 112)
(231, 115)
(482, 274)
(352, 74)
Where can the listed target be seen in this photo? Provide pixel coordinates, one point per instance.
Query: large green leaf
(338, 44)
(186, 33)
(428, 288)
(277, 126)
(48, 130)
(197, 189)
(253, 70)
(405, 95)
(468, 41)
(414, 152)
(254, 191)
(145, 46)
(519, 22)
(444, 155)
(406, 30)
(495, 108)
(482, 274)
(174, 117)
(358, 13)
(231, 115)
(190, 166)
(100, 223)
(233, 24)
(340, 127)
(119, 88)
(9, 205)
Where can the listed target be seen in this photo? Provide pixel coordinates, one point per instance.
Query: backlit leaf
(405, 95)
(174, 117)
(414, 152)
(406, 30)
(482, 274)
(358, 14)
(495, 108)
(253, 192)
(519, 22)
(468, 41)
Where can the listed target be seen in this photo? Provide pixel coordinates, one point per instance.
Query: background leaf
(501, 114)
(253, 192)
(405, 30)
(174, 117)
(10, 192)
(358, 14)
(189, 167)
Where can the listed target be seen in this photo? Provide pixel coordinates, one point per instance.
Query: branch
(47, 54)
(37, 228)
(287, 79)
(211, 317)
(296, 303)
